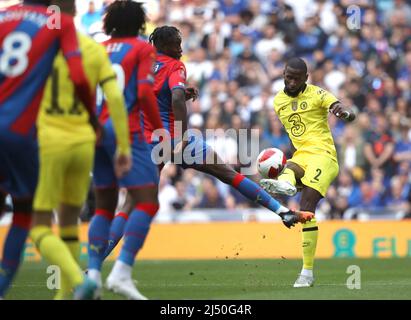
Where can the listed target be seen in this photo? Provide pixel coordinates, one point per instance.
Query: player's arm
(177, 85)
(330, 102)
(342, 112)
(71, 52)
(145, 79)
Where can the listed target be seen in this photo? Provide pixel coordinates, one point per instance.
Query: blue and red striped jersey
(28, 46)
(169, 74)
(133, 61)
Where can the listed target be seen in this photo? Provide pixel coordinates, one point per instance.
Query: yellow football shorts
(64, 176)
(320, 170)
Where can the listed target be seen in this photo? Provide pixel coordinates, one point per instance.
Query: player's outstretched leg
(98, 233)
(136, 230)
(253, 192)
(14, 244)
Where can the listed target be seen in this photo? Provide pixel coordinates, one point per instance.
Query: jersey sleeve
(106, 71)
(178, 77)
(147, 58)
(70, 48)
(327, 98)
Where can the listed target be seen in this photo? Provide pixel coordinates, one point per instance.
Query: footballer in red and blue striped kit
(28, 46)
(133, 61)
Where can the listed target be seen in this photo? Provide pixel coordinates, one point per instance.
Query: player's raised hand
(122, 164)
(191, 93)
(341, 112)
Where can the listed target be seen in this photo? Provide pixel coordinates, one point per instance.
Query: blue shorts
(143, 172)
(18, 165)
(196, 152)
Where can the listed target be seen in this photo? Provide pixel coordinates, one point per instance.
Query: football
(271, 162)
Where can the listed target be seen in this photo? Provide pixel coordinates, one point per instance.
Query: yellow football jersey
(305, 118)
(62, 119)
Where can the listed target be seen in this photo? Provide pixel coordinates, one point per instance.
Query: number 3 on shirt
(298, 127)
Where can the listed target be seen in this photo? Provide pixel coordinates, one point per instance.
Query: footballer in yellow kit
(305, 120)
(67, 146)
(303, 110)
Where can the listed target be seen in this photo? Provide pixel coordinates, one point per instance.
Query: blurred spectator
(379, 146)
(402, 151)
(91, 16)
(211, 197)
(397, 197)
(351, 149)
(271, 41)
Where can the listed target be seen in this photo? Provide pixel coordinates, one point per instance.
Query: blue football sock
(116, 232)
(135, 233)
(255, 193)
(13, 249)
(97, 238)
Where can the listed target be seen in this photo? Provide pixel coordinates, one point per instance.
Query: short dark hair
(125, 18)
(41, 2)
(162, 36)
(298, 64)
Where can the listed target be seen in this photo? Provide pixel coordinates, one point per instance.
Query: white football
(271, 162)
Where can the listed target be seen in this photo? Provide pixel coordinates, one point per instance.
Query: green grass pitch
(243, 279)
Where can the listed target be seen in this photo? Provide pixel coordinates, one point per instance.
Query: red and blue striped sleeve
(178, 77)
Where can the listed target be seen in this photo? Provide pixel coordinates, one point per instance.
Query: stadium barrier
(236, 240)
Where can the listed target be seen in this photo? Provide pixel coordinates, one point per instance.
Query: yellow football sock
(69, 235)
(310, 236)
(289, 176)
(55, 251)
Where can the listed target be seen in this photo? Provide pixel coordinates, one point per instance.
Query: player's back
(126, 55)
(63, 119)
(27, 51)
(169, 74)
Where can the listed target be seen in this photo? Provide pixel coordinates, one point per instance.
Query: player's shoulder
(142, 45)
(170, 63)
(280, 97)
(178, 65)
(314, 90)
(90, 47)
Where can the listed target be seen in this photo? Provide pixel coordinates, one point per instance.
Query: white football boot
(278, 187)
(124, 286)
(304, 281)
